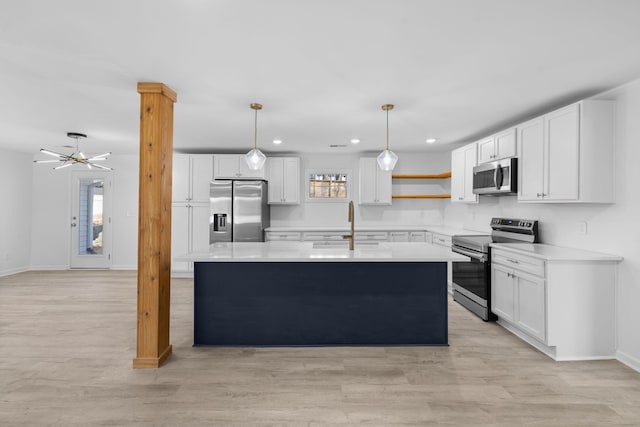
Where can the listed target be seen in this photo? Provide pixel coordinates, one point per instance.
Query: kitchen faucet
(352, 222)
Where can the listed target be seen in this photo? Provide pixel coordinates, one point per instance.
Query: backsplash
(402, 211)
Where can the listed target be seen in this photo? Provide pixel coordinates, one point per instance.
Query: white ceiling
(455, 69)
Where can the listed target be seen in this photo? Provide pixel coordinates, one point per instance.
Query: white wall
(15, 208)
(51, 214)
(610, 228)
(402, 211)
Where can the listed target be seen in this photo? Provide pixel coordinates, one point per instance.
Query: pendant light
(387, 159)
(255, 158)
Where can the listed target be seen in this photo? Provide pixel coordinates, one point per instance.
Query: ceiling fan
(77, 156)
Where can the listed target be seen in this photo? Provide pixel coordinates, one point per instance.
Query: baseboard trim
(124, 267)
(630, 361)
(12, 271)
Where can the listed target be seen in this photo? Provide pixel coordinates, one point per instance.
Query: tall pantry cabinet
(190, 206)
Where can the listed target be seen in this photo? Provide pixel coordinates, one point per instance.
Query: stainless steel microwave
(497, 178)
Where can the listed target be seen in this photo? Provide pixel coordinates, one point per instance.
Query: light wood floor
(67, 340)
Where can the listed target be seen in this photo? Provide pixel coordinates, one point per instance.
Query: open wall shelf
(422, 175)
(442, 175)
(421, 196)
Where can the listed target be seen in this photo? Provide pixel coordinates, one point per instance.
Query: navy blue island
(298, 294)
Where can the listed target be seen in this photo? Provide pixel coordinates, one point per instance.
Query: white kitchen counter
(555, 253)
(277, 251)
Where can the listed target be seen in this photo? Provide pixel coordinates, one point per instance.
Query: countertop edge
(390, 252)
(440, 229)
(548, 252)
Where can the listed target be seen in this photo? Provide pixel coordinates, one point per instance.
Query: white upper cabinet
(463, 160)
(567, 155)
(234, 166)
(375, 184)
(499, 146)
(191, 176)
(283, 174)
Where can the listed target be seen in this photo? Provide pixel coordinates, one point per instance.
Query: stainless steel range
(472, 280)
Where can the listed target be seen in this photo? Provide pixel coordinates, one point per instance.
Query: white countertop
(555, 253)
(306, 252)
(442, 229)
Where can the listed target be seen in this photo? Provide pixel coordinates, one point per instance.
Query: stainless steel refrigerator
(239, 211)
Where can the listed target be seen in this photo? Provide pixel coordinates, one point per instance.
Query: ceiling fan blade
(101, 156)
(66, 165)
(51, 153)
(100, 166)
(48, 161)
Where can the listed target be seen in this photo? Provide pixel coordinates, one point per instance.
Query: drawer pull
(513, 261)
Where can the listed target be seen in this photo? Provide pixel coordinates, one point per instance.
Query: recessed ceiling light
(431, 140)
(355, 141)
(277, 141)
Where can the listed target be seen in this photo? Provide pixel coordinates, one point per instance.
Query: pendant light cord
(255, 131)
(387, 130)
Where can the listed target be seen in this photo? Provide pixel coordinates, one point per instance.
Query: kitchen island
(301, 293)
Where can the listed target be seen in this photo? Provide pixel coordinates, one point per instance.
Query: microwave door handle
(498, 177)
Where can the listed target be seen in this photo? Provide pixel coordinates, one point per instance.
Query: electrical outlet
(582, 227)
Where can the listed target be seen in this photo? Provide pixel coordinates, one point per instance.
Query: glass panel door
(89, 221)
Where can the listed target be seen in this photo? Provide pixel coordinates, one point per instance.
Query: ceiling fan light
(66, 165)
(255, 159)
(75, 157)
(387, 160)
(51, 153)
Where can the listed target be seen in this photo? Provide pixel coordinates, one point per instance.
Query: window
(327, 185)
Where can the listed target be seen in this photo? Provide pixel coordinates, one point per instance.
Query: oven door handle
(474, 255)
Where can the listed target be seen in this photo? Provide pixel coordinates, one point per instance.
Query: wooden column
(154, 224)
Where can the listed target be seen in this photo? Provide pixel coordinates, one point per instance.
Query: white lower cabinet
(398, 236)
(371, 236)
(530, 305)
(444, 240)
(441, 239)
(189, 232)
(502, 292)
(519, 298)
(565, 308)
(290, 236)
(323, 236)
